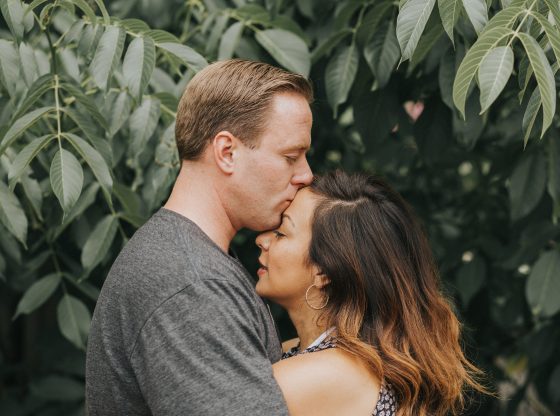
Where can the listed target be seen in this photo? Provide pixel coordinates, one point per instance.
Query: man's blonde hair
(235, 96)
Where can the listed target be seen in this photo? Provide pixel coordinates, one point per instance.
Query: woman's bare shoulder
(326, 382)
(289, 344)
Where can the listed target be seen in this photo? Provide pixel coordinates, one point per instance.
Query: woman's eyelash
(278, 234)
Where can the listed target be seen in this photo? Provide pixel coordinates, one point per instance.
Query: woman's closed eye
(278, 234)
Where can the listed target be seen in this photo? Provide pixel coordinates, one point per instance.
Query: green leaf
(67, 178)
(70, 64)
(527, 184)
(86, 288)
(446, 73)
(504, 18)
(544, 76)
(107, 55)
(339, 75)
(13, 12)
(58, 388)
(35, 91)
(73, 320)
(9, 66)
(449, 10)
(543, 285)
(86, 8)
(84, 202)
(331, 42)
(25, 156)
(104, 13)
(426, 44)
(494, 72)
(287, 49)
(551, 32)
(21, 125)
(217, 33)
(138, 65)
(470, 64)
(120, 112)
(161, 36)
(28, 64)
(37, 294)
(554, 8)
(99, 241)
(189, 56)
(95, 162)
(477, 13)
(372, 19)
(86, 125)
(86, 102)
(11, 214)
(382, 54)
(530, 116)
(470, 278)
(229, 41)
(135, 26)
(143, 123)
(553, 154)
(34, 194)
(411, 22)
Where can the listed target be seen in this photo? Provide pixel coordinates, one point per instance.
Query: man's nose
(263, 240)
(303, 175)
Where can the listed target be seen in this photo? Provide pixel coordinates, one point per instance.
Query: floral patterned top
(386, 404)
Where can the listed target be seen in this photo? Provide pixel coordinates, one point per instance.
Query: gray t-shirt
(179, 330)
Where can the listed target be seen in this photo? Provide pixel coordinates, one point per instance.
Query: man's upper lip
(262, 264)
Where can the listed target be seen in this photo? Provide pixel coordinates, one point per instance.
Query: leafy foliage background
(453, 101)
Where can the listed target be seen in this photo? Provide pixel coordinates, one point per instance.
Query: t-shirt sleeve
(200, 353)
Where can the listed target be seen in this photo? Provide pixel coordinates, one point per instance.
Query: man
(178, 328)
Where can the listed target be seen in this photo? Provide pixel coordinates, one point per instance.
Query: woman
(354, 270)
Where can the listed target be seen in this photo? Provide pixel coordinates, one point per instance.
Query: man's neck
(196, 198)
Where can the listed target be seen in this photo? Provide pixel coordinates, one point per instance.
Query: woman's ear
(320, 280)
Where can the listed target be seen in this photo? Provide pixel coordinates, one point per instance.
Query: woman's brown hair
(384, 294)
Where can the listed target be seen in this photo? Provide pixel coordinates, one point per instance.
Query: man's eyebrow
(301, 147)
(288, 217)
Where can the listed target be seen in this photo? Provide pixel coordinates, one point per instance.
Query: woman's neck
(307, 323)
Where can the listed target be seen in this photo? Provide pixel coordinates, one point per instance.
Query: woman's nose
(263, 240)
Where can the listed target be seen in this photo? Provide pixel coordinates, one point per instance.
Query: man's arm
(201, 353)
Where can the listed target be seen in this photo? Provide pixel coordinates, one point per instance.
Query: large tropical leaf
(411, 22)
(494, 72)
(288, 49)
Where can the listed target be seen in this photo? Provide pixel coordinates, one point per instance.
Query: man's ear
(320, 280)
(224, 146)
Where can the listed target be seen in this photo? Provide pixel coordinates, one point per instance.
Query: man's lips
(262, 269)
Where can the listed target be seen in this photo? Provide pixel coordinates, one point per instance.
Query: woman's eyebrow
(288, 217)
